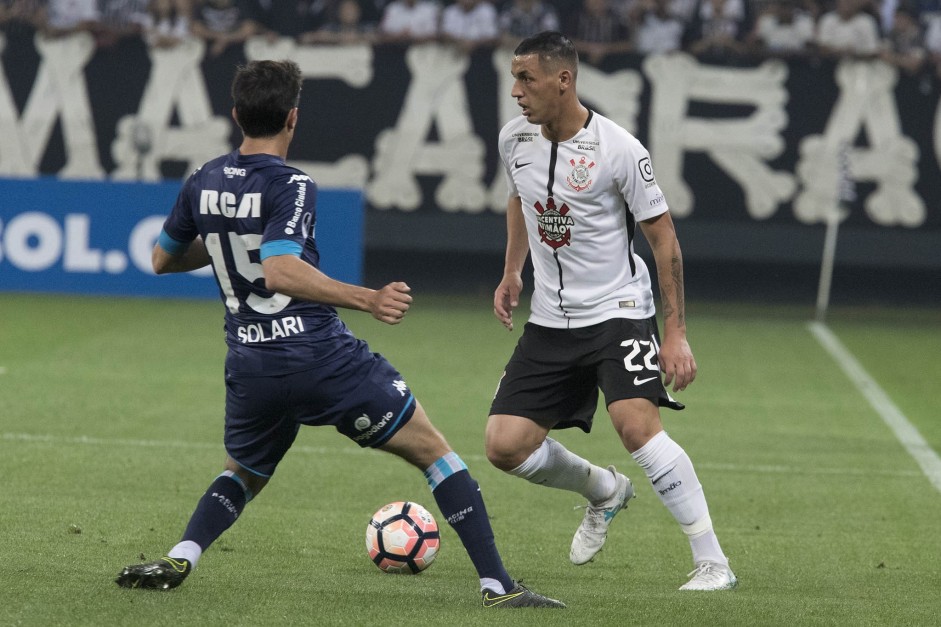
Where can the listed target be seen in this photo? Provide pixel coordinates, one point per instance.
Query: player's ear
(291, 122)
(235, 117)
(566, 80)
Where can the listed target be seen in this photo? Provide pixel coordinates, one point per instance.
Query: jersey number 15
(239, 245)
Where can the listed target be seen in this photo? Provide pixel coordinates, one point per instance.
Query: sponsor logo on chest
(554, 223)
(215, 203)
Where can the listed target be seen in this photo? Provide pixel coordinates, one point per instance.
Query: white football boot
(592, 533)
(710, 576)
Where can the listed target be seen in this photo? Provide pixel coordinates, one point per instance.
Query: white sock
(494, 585)
(555, 466)
(673, 478)
(187, 550)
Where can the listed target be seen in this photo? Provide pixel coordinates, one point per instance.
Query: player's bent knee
(510, 440)
(505, 455)
(635, 434)
(636, 421)
(500, 461)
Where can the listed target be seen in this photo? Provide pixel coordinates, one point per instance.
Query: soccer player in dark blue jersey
(291, 361)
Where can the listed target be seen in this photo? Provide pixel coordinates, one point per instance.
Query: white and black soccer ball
(402, 537)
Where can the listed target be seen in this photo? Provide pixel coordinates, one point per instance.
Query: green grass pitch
(111, 426)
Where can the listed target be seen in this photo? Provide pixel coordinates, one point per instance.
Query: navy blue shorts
(554, 375)
(360, 394)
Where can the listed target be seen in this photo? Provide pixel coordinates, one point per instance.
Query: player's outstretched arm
(676, 357)
(289, 275)
(194, 257)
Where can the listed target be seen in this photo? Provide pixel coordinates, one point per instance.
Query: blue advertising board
(87, 237)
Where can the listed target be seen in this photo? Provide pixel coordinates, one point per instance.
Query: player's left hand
(677, 363)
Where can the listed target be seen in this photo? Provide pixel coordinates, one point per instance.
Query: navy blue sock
(219, 507)
(459, 499)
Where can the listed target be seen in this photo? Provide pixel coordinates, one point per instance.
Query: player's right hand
(391, 302)
(505, 299)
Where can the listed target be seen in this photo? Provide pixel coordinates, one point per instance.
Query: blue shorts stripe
(391, 429)
(251, 470)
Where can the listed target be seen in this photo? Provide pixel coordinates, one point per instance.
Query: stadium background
(836, 524)
(419, 143)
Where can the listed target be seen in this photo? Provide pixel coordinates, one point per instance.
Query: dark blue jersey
(248, 208)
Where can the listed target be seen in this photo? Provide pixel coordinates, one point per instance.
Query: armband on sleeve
(171, 245)
(280, 247)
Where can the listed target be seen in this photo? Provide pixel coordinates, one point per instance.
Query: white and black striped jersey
(581, 200)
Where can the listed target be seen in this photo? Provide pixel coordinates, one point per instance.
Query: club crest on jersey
(580, 177)
(555, 226)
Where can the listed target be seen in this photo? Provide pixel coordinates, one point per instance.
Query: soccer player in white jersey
(578, 186)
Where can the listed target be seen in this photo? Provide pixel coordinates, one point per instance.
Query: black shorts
(554, 375)
(361, 394)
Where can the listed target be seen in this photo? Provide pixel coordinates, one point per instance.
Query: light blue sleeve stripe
(280, 247)
(171, 245)
(444, 467)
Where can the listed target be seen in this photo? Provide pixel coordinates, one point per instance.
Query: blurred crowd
(905, 33)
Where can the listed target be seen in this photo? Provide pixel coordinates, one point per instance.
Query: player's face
(535, 89)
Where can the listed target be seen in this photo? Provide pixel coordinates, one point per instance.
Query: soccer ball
(402, 537)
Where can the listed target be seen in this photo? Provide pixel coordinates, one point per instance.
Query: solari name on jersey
(265, 332)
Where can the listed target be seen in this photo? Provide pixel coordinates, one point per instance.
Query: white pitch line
(177, 444)
(904, 431)
(473, 457)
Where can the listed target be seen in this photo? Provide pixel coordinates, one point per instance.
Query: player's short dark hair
(552, 48)
(264, 92)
